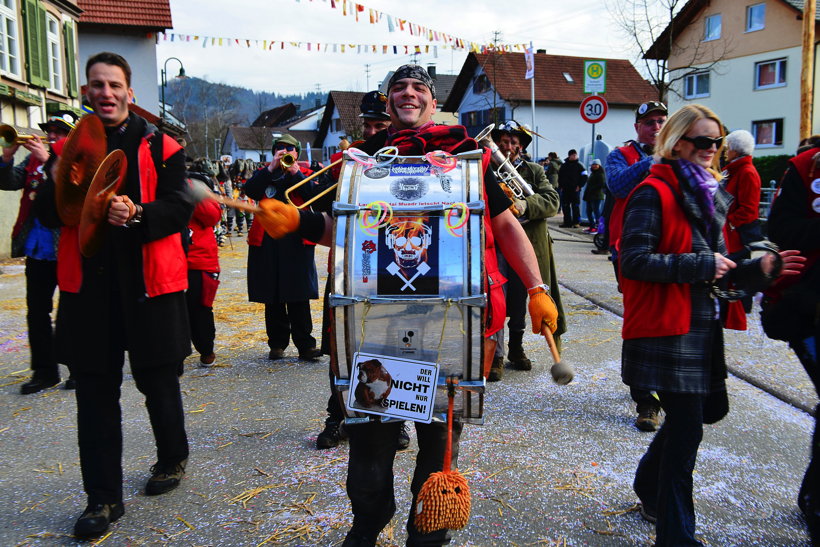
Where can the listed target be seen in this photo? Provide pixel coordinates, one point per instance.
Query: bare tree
(660, 34)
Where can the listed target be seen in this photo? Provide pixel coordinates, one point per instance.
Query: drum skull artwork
(408, 259)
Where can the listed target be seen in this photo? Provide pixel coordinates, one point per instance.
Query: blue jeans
(593, 212)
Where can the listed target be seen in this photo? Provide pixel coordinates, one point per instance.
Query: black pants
(370, 475)
(41, 281)
(663, 480)
(200, 318)
(809, 495)
(284, 321)
(516, 302)
(99, 424)
(570, 206)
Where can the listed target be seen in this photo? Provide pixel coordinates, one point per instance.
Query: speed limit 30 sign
(594, 109)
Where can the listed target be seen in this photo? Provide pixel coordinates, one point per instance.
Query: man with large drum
(411, 105)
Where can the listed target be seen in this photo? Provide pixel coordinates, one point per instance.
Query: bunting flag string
(330, 47)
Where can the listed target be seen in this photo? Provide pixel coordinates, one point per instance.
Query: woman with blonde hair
(672, 253)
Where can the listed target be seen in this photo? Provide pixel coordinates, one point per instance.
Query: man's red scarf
(429, 138)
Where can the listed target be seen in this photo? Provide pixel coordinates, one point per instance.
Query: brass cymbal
(108, 180)
(83, 151)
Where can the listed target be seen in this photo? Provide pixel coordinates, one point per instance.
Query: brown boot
(518, 359)
(496, 370)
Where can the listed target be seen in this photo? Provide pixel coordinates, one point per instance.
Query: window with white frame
(755, 17)
(768, 133)
(696, 85)
(55, 61)
(9, 44)
(770, 74)
(711, 30)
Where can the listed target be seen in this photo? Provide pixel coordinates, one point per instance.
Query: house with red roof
(129, 29)
(491, 86)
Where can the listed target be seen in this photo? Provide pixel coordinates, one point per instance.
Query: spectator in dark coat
(571, 178)
(594, 194)
(282, 272)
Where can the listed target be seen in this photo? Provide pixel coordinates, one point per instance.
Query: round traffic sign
(594, 109)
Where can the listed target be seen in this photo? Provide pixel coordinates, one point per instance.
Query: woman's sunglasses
(704, 143)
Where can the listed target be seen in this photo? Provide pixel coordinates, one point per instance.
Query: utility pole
(496, 35)
(807, 70)
(367, 75)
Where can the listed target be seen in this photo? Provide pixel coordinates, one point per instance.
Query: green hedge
(770, 167)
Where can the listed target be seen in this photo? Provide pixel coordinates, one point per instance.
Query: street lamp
(164, 79)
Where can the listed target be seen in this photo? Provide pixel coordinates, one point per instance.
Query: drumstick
(562, 373)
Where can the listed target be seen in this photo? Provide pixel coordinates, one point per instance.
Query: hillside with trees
(208, 109)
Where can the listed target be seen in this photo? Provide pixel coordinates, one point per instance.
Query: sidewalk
(552, 466)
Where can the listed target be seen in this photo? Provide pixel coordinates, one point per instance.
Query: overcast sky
(566, 27)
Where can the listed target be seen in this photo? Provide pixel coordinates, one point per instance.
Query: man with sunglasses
(626, 167)
(38, 244)
(282, 272)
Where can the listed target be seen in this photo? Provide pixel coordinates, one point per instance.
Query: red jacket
(616, 217)
(202, 253)
(163, 261)
(660, 309)
(744, 185)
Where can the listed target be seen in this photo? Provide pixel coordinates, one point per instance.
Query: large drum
(407, 303)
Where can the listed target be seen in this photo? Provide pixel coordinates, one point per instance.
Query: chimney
(431, 70)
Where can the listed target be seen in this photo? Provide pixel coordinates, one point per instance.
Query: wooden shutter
(70, 58)
(34, 26)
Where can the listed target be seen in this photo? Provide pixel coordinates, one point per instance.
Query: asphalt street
(552, 465)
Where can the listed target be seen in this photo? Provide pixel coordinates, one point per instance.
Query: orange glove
(542, 310)
(277, 217)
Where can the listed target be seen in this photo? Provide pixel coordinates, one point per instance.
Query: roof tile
(624, 86)
(153, 14)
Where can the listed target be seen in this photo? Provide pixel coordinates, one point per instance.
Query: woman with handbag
(672, 252)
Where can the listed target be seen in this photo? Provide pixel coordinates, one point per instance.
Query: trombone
(10, 137)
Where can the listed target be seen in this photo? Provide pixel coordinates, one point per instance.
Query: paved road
(551, 466)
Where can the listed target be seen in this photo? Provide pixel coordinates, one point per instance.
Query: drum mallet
(562, 372)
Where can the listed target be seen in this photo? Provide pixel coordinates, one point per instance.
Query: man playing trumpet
(38, 244)
(533, 211)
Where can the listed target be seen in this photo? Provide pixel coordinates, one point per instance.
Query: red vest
(494, 281)
(660, 309)
(616, 217)
(164, 265)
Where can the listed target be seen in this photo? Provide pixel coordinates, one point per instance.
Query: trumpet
(504, 170)
(10, 137)
(287, 161)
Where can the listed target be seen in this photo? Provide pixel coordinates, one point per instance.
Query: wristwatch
(538, 289)
(137, 218)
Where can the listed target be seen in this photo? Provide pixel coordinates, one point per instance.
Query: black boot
(95, 519)
(518, 359)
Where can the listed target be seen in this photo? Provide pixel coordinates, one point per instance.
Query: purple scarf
(703, 184)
